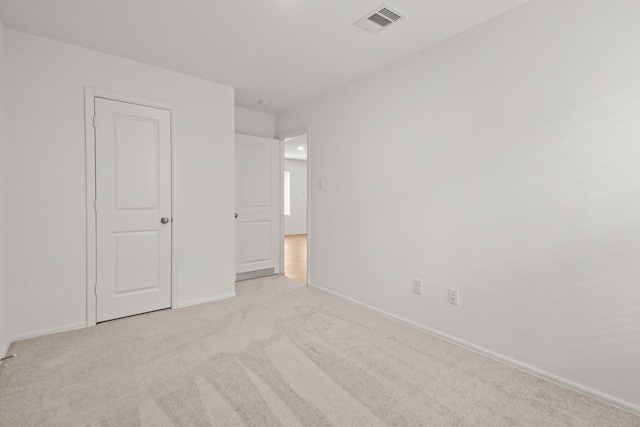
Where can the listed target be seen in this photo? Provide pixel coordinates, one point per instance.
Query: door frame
(286, 135)
(90, 94)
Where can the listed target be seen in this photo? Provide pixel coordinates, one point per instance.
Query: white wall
(503, 162)
(254, 123)
(4, 339)
(45, 162)
(296, 223)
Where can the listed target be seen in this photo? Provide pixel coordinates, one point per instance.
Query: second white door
(133, 219)
(258, 206)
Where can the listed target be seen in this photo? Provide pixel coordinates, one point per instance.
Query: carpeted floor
(279, 353)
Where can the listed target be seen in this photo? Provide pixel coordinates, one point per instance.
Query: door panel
(258, 198)
(256, 176)
(137, 163)
(137, 261)
(133, 193)
(256, 241)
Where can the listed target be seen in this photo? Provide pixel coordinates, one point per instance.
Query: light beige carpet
(278, 354)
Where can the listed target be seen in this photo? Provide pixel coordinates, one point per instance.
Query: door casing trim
(90, 94)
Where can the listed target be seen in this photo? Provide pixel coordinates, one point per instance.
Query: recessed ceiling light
(301, 148)
(264, 102)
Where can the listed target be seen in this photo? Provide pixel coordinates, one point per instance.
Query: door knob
(164, 220)
(236, 215)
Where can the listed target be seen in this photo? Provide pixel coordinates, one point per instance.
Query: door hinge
(95, 205)
(95, 122)
(95, 289)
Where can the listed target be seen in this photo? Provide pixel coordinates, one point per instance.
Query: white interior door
(258, 206)
(133, 208)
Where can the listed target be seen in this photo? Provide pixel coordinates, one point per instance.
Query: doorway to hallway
(295, 217)
(295, 257)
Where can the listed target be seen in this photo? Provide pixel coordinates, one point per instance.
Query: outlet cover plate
(417, 286)
(453, 296)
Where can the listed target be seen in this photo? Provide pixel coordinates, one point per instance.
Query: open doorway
(295, 209)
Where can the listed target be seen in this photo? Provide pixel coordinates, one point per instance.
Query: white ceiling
(286, 51)
(292, 147)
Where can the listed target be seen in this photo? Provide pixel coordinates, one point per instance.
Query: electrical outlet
(417, 286)
(453, 296)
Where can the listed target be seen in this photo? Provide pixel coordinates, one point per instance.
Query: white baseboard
(4, 349)
(203, 300)
(587, 391)
(49, 331)
(73, 326)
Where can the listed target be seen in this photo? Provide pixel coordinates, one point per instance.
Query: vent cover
(380, 19)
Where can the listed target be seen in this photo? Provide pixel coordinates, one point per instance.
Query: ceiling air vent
(380, 19)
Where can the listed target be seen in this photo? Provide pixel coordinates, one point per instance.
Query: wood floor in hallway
(295, 257)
